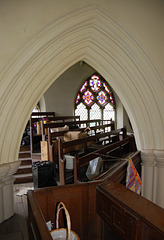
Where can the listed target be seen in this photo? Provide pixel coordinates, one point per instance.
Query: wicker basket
(62, 233)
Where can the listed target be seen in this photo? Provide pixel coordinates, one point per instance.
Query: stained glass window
(78, 98)
(83, 87)
(108, 112)
(88, 97)
(95, 112)
(95, 83)
(95, 100)
(106, 88)
(81, 111)
(102, 98)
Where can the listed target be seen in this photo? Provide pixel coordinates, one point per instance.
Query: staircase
(24, 172)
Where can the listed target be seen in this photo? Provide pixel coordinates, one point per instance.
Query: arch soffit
(88, 35)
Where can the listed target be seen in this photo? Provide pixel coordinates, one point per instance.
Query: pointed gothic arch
(90, 35)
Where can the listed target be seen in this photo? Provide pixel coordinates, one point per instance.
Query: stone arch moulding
(90, 35)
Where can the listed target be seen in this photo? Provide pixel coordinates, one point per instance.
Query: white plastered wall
(97, 35)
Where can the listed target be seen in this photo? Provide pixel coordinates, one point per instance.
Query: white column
(4, 168)
(147, 157)
(8, 196)
(6, 189)
(159, 178)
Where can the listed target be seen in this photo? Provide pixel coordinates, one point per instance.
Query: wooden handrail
(46, 114)
(64, 118)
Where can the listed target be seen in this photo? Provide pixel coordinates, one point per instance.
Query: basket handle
(59, 207)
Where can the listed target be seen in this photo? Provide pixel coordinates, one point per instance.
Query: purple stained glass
(83, 88)
(106, 88)
(102, 98)
(95, 83)
(78, 98)
(111, 99)
(88, 97)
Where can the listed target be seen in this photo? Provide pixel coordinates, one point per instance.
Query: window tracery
(95, 100)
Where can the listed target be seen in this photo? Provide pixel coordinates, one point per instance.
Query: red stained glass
(111, 99)
(95, 99)
(78, 98)
(106, 88)
(88, 97)
(83, 88)
(95, 83)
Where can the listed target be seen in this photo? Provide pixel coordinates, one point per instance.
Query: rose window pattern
(94, 98)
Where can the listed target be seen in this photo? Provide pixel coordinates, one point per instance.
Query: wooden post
(62, 164)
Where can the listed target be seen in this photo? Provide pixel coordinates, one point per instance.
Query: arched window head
(36, 108)
(94, 100)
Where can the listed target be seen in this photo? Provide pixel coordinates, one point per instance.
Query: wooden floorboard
(16, 228)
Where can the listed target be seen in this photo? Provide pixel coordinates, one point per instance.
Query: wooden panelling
(129, 214)
(80, 202)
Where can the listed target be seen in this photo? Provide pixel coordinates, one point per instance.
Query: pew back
(52, 144)
(125, 214)
(35, 117)
(83, 160)
(80, 200)
(71, 124)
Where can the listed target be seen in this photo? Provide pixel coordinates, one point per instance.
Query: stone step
(26, 161)
(23, 178)
(36, 156)
(25, 154)
(24, 169)
(24, 172)
(24, 148)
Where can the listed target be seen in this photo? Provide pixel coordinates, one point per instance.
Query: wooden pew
(54, 135)
(66, 118)
(74, 125)
(35, 117)
(103, 209)
(80, 200)
(80, 161)
(112, 153)
(71, 124)
(49, 127)
(126, 215)
(53, 155)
